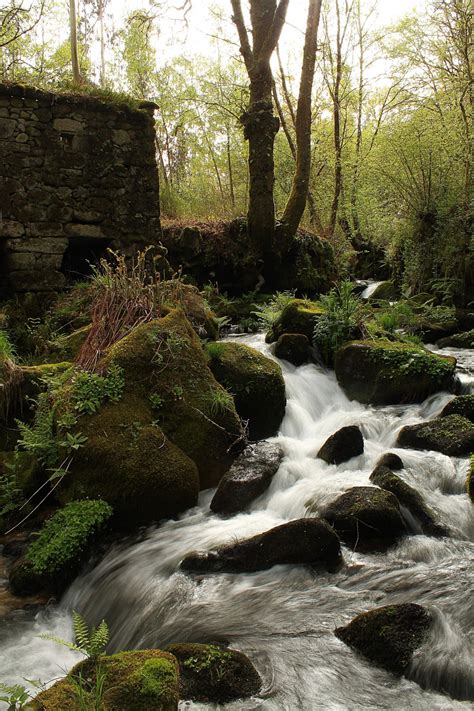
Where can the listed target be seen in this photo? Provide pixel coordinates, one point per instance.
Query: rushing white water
(370, 288)
(284, 618)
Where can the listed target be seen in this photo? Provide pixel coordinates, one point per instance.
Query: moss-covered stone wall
(77, 175)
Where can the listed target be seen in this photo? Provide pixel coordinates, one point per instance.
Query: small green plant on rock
(268, 313)
(212, 660)
(90, 390)
(343, 319)
(91, 642)
(219, 401)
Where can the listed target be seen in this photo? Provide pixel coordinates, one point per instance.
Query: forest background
(391, 128)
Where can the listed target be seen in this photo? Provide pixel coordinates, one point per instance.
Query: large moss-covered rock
(249, 477)
(409, 498)
(462, 405)
(452, 435)
(344, 444)
(165, 358)
(255, 381)
(129, 462)
(298, 316)
(388, 636)
(306, 541)
(293, 347)
(366, 517)
(214, 674)
(147, 680)
(457, 340)
(384, 372)
(62, 545)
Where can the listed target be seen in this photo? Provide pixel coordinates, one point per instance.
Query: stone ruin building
(77, 175)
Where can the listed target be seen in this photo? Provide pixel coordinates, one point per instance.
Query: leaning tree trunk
(260, 128)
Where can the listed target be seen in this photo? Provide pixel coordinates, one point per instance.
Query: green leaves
(90, 642)
(90, 390)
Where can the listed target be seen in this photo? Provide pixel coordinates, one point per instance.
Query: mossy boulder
(388, 636)
(298, 316)
(129, 462)
(382, 372)
(457, 340)
(213, 674)
(61, 547)
(386, 291)
(66, 346)
(462, 405)
(249, 477)
(452, 435)
(165, 357)
(147, 680)
(390, 460)
(255, 381)
(293, 347)
(408, 497)
(344, 444)
(367, 518)
(306, 541)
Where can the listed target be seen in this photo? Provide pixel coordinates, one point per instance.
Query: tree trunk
(76, 72)
(337, 127)
(102, 44)
(260, 128)
(299, 192)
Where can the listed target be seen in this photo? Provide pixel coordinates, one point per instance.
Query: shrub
(67, 534)
(268, 313)
(342, 320)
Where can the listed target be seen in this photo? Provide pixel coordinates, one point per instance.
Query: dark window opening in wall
(81, 255)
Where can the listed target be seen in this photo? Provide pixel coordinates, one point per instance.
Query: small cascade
(284, 618)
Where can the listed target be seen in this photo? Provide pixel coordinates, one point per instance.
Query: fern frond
(99, 639)
(63, 642)
(81, 633)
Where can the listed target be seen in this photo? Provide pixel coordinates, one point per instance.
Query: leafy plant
(343, 319)
(269, 312)
(91, 642)
(90, 390)
(66, 534)
(7, 350)
(89, 694)
(220, 401)
(177, 391)
(15, 696)
(156, 401)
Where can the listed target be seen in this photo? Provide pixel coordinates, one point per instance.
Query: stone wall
(77, 175)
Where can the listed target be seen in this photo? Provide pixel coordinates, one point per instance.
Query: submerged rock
(458, 340)
(344, 444)
(306, 541)
(383, 372)
(452, 435)
(462, 405)
(213, 674)
(255, 381)
(293, 347)
(390, 460)
(388, 636)
(298, 316)
(147, 680)
(366, 518)
(408, 497)
(249, 476)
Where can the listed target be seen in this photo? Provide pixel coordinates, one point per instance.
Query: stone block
(38, 245)
(7, 128)
(24, 280)
(45, 229)
(67, 125)
(10, 228)
(84, 230)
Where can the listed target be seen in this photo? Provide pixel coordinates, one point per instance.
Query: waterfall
(283, 618)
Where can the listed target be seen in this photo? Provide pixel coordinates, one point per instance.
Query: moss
(210, 673)
(255, 381)
(462, 405)
(145, 679)
(166, 357)
(67, 346)
(386, 372)
(386, 291)
(452, 435)
(62, 545)
(298, 316)
(129, 462)
(458, 340)
(388, 636)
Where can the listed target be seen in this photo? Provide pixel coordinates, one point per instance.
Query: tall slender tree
(260, 124)
(76, 70)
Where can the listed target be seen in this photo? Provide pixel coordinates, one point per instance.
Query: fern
(90, 642)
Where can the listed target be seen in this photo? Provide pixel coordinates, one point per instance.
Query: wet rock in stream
(344, 444)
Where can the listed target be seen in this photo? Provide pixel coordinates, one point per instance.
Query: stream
(283, 618)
